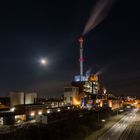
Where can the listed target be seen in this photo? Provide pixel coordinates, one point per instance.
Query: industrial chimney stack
(81, 58)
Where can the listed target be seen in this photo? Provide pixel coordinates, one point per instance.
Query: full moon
(44, 61)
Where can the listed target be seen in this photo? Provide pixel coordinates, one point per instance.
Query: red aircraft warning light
(81, 40)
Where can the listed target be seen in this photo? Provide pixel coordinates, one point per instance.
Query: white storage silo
(16, 98)
(30, 98)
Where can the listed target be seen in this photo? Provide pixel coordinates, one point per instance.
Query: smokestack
(81, 58)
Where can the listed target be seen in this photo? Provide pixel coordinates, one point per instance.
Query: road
(132, 130)
(123, 128)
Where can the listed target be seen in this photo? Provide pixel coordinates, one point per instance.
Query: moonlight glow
(44, 61)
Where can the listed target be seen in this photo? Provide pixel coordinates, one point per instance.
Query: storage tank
(30, 98)
(16, 98)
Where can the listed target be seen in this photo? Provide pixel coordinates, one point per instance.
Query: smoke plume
(99, 72)
(99, 12)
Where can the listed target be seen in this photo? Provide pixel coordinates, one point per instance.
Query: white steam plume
(99, 12)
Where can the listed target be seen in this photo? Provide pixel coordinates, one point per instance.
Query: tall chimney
(81, 58)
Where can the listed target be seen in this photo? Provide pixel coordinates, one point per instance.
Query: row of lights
(48, 112)
(33, 113)
(40, 112)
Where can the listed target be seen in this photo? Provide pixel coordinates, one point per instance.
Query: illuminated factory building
(71, 95)
(83, 85)
(86, 91)
(92, 85)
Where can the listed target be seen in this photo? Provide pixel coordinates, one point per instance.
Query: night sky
(35, 29)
